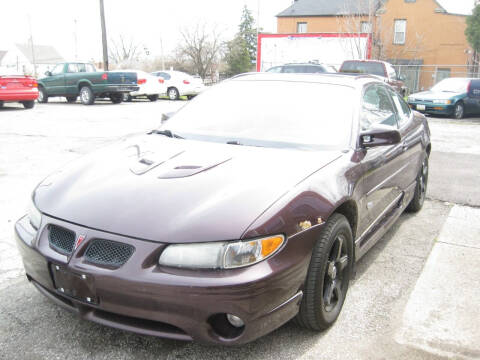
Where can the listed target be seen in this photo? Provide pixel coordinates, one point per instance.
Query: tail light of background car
(161, 81)
(104, 76)
(141, 81)
(186, 82)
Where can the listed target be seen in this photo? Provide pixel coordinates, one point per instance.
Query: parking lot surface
(35, 142)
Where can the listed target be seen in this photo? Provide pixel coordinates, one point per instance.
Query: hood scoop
(187, 170)
(145, 161)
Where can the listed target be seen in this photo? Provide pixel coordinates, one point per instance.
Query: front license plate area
(78, 286)
(421, 107)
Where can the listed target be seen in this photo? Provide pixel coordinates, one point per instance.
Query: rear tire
(116, 98)
(173, 93)
(86, 96)
(152, 97)
(418, 199)
(328, 275)
(42, 95)
(71, 99)
(127, 97)
(28, 104)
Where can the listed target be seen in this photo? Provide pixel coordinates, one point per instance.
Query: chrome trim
(298, 295)
(376, 187)
(379, 217)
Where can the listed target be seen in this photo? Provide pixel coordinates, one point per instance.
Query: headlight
(221, 255)
(442, 102)
(34, 215)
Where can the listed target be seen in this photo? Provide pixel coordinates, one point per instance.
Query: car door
(382, 164)
(472, 101)
(71, 79)
(411, 132)
(55, 83)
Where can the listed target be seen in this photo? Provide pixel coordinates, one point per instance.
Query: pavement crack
(459, 245)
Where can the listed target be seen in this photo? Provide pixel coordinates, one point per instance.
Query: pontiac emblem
(80, 239)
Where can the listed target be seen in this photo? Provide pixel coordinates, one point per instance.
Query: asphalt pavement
(378, 320)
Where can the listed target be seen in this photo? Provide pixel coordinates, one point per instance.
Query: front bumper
(146, 298)
(431, 108)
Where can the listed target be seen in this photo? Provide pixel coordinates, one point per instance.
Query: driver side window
(58, 69)
(377, 108)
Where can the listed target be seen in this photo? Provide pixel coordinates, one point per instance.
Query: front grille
(61, 240)
(109, 253)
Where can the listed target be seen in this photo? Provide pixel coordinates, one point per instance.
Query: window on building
(400, 29)
(301, 27)
(442, 73)
(365, 27)
(410, 1)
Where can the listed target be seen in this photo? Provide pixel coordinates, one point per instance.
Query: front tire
(173, 93)
(418, 199)
(328, 275)
(459, 110)
(42, 95)
(86, 96)
(28, 104)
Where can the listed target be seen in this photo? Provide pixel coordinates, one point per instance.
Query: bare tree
(201, 48)
(124, 51)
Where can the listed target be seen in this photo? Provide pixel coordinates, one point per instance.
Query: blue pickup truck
(455, 97)
(74, 79)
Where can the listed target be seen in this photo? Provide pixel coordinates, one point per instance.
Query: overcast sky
(147, 21)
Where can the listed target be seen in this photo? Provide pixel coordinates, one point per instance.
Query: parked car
(227, 221)
(18, 88)
(180, 84)
(455, 97)
(149, 86)
(382, 69)
(82, 79)
(303, 68)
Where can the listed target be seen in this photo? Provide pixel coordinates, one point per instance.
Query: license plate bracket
(77, 286)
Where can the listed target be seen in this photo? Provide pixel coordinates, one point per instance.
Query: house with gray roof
(20, 59)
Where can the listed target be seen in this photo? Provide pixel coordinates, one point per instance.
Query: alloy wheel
(337, 262)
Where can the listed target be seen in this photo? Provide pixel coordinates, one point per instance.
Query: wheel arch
(349, 209)
(83, 83)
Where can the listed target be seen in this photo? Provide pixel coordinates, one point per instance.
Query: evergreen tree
(241, 52)
(473, 29)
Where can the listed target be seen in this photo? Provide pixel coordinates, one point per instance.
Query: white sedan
(180, 84)
(150, 86)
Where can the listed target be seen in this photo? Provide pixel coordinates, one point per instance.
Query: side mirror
(379, 136)
(401, 77)
(48, 73)
(166, 116)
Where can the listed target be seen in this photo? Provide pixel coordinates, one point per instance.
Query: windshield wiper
(166, 133)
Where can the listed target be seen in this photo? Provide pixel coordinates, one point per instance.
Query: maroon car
(249, 207)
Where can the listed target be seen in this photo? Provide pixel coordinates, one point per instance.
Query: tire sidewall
(42, 95)
(172, 91)
(86, 90)
(462, 113)
(341, 228)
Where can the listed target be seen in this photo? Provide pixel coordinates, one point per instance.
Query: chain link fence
(423, 77)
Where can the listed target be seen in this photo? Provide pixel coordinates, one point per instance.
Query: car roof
(352, 80)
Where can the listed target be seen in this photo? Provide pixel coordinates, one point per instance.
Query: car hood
(169, 190)
(434, 95)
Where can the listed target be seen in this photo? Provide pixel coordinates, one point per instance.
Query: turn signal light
(270, 245)
(141, 81)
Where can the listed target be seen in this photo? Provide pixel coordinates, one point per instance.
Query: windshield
(359, 67)
(269, 113)
(452, 85)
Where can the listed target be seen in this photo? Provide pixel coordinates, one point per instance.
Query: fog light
(235, 320)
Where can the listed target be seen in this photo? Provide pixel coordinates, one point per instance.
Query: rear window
(363, 67)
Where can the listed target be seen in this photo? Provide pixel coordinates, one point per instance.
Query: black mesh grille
(61, 239)
(110, 253)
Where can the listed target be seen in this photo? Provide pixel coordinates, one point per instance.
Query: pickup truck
(73, 79)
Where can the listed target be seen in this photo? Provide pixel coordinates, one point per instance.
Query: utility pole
(104, 37)
(32, 47)
(75, 38)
